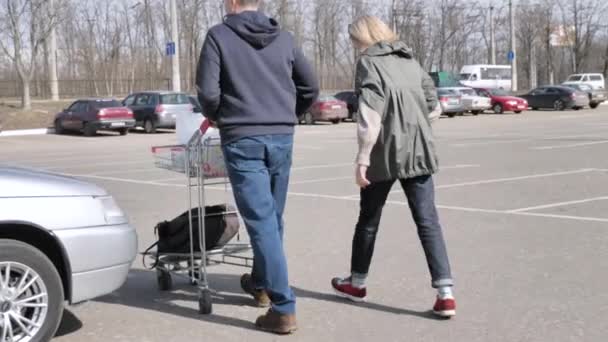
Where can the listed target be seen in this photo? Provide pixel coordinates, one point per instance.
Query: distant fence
(83, 88)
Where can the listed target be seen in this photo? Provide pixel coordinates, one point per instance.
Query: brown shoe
(277, 323)
(260, 296)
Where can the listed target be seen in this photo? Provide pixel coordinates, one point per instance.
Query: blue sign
(511, 56)
(170, 49)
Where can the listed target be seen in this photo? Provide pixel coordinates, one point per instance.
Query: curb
(23, 132)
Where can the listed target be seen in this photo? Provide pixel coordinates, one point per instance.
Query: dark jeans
(259, 168)
(420, 193)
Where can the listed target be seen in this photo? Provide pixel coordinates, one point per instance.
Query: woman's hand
(361, 176)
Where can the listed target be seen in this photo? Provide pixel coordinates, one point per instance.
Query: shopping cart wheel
(163, 278)
(205, 306)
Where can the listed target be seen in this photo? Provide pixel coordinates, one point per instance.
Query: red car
(503, 102)
(90, 115)
(327, 108)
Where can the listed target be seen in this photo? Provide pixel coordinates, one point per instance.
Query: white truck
(596, 81)
(486, 76)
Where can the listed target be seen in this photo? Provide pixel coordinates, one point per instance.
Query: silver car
(451, 102)
(61, 239)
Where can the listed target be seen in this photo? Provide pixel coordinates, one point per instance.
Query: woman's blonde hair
(369, 30)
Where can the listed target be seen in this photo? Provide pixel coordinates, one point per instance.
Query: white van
(594, 80)
(486, 76)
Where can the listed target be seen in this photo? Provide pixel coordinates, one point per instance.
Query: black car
(556, 97)
(596, 96)
(352, 102)
(157, 109)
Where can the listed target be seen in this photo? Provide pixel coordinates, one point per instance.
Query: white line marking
(559, 204)
(127, 171)
(321, 180)
(510, 179)
(326, 166)
(556, 147)
(490, 143)
(84, 166)
(124, 180)
(474, 210)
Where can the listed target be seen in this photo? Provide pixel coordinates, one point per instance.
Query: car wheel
(518, 112)
(31, 293)
(498, 109)
(475, 112)
(309, 119)
(336, 121)
(89, 130)
(594, 105)
(534, 108)
(149, 126)
(451, 115)
(559, 105)
(58, 127)
(123, 131)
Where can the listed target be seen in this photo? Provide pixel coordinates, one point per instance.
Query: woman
(396, 100)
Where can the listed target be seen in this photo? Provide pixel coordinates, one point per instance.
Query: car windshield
(469, 92)
(498, 92)
(575, 78)
(326, 98)
(465, 77)
(106, 104)
(174, 99)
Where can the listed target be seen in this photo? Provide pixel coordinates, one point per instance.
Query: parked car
(503, 102)
(326, 108)
(486, 76)
(471, 101)
(196, 106)
(61, 239)
(596, 96)
(451, 102)
(91, 115)
(157, 109)
(352, 103)
(556, 97)
(595, 80)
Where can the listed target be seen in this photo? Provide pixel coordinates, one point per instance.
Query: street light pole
(492, 37)
(176, 78)
(52, 48)
(513, 48)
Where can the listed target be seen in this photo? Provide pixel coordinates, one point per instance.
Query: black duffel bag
(221, 225)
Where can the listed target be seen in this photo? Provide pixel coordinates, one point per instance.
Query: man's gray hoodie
(252, 79)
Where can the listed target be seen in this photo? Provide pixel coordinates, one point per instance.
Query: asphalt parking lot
(523, 200)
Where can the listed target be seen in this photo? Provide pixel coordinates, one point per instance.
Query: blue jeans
(420, 193)
(258, 168)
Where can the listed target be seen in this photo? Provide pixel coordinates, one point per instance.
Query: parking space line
(323, 166)
(557, 147)
(147, 170)
(84, 166)
(320, 180)
(559, 204)
(125, 180)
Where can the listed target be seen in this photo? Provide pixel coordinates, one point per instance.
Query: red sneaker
(345, 289)
(445, 308)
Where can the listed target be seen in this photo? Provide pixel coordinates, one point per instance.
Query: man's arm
(307, 85)
(208, 78)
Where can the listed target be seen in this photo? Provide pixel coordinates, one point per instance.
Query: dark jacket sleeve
(307, 85)
(208, 78)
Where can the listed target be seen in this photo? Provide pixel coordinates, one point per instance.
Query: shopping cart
(201, 160)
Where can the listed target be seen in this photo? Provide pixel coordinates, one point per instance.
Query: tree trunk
(26, 99)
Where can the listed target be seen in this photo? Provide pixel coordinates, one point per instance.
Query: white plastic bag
(186, 124)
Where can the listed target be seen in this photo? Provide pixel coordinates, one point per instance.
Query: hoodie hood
(383, 49)
(254, 27)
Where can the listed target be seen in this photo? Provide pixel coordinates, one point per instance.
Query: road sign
(170, 49)
(511, 56)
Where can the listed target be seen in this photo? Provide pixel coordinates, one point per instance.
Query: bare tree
(25, 24)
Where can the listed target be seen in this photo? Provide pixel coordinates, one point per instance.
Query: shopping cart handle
(204, 126)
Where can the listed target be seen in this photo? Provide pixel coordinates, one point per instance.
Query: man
(253, 83)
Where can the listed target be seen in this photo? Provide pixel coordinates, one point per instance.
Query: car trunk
(115, 113)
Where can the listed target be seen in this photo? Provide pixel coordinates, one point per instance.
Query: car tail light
(325, 106)
(443, 99)
(130, 113)
(573, 96)
(159, 109)
(101, 113)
